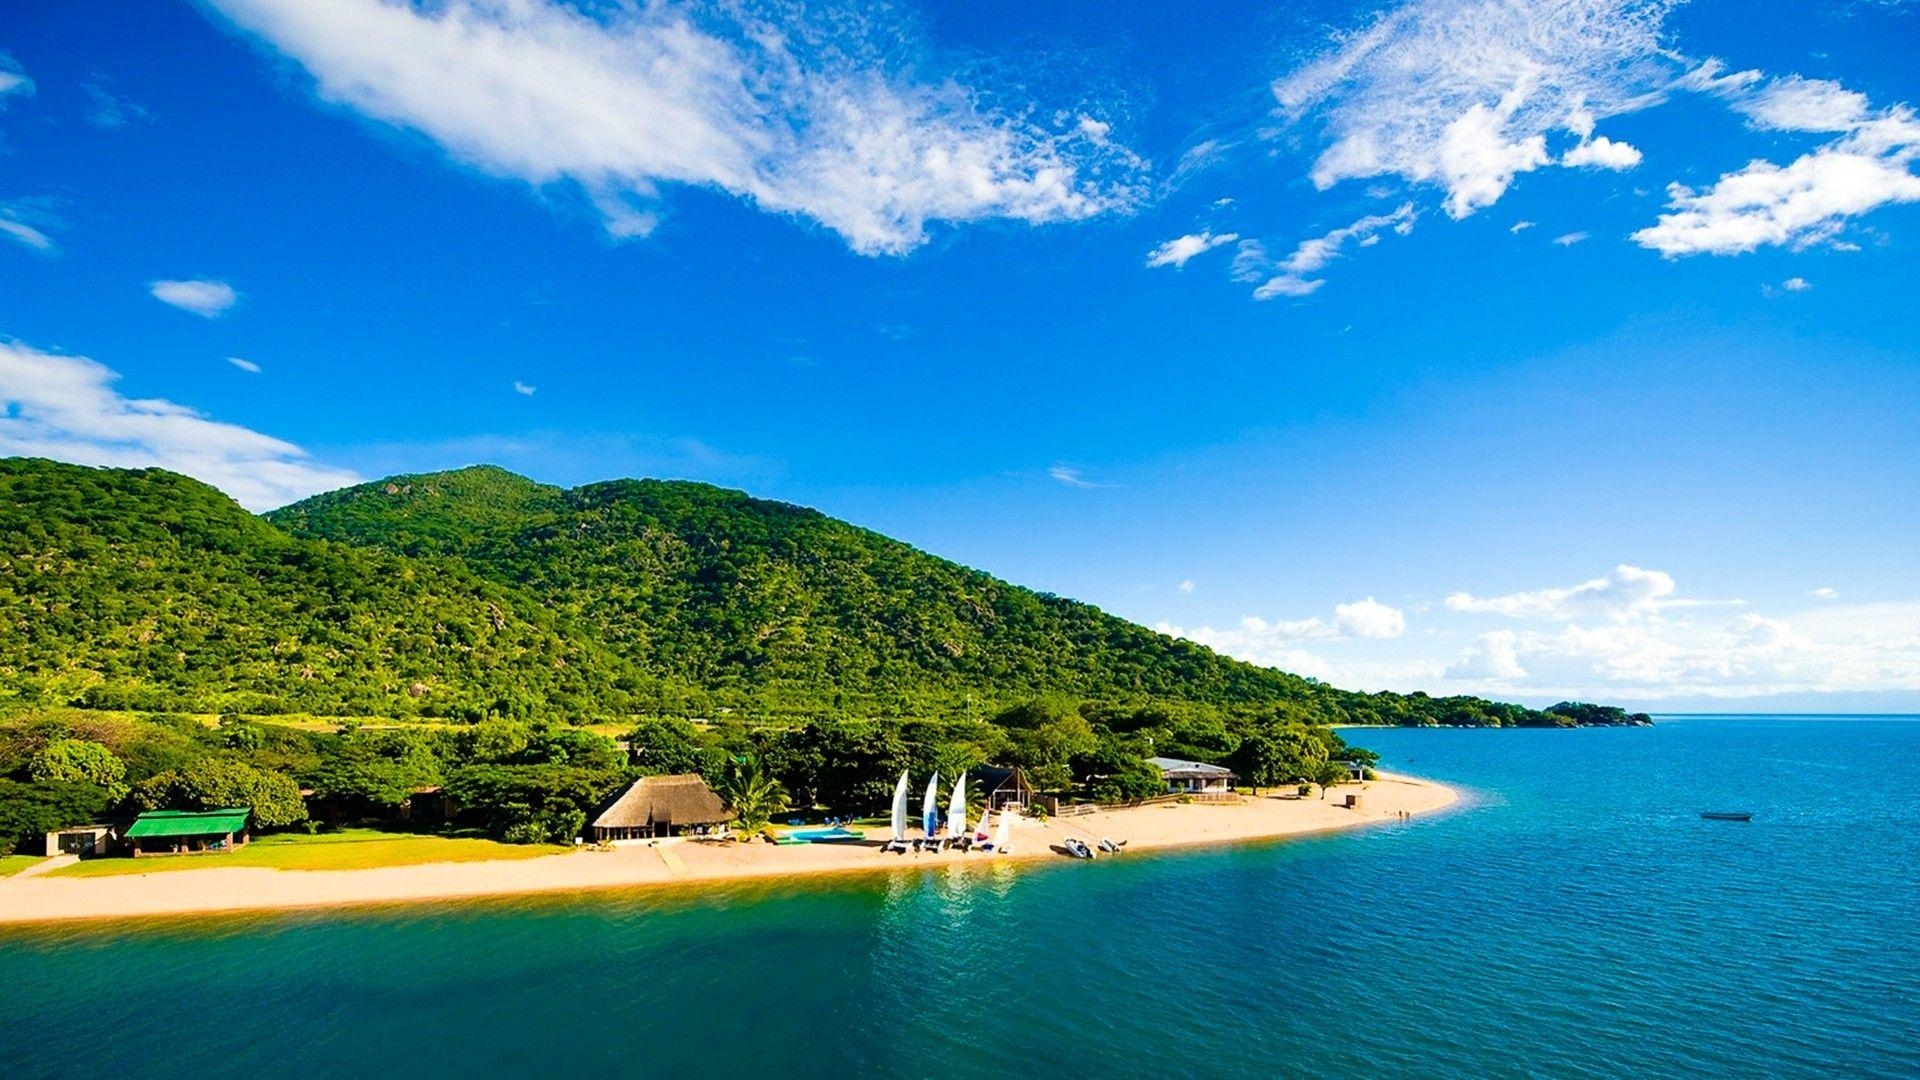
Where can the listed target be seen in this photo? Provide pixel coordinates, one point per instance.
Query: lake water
(1575, 917)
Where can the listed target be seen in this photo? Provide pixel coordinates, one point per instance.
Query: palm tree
(754, 794)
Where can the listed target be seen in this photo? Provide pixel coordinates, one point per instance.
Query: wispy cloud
(66, 408)
(1520, 226)
(208, 299)
(1791, 285)
(13, 81)
(1186, 587)
(1291, 276)
(1071, 476)
(813, 113)
(108, 109)
(26, 234)
(247, 366)
(1179, 250)
(1570, 239)
(1462, 94)
(523, 389)
(1824, 593)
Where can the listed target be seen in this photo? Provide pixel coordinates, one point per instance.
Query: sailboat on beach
(929, 809)
(899, 839)
(957, 810)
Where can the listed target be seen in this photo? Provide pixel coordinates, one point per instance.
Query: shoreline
(228, 890)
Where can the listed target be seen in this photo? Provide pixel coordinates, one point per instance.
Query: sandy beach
(234, 889)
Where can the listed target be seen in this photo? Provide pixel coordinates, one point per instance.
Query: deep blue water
(1575, 918)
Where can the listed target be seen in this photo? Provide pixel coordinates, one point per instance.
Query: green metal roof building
(188, 832)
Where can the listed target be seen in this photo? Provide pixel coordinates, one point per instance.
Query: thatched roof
(664, 800)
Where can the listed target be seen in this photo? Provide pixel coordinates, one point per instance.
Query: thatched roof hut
(660, 806)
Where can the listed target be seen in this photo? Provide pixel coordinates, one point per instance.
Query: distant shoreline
(218, 890)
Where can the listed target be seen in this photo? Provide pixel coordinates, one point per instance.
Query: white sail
(900, 808)
(929, 810)
(1003, 840)
(957, 809)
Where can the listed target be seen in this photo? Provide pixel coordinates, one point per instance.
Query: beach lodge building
(1193, 777)
(660, 806)
(1004, 786)
(187, 832)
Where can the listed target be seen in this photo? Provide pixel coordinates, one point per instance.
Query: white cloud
(1274, 644)
(26, 234)
(522, 388)
(1824, 593)
(1570, 239)
(1493, 656)
(1838, 648)
(1369, 618)
(1791, 285)
(1602, 153)
(1313, 255)
(1626, 593)
(205, 298)
(1177, 251)
(817, 115)
(13, 81)
(1520, 226)
(1186, 587)
(65, 407)
(1797, 104)
(1463, 93)
(1809, 200)
(247, 366)
(1477, 161)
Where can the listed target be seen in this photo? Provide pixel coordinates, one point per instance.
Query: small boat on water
(1727, 815)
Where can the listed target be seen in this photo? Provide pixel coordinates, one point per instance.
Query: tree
(1326, 774)
(1138, 779)
(77, 761)
(505, 798)
(659, 747)
(1264, 761)
(216, 783)
(28, 811)
(753, 794)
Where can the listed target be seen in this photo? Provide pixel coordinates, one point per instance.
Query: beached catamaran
(929, 811)
(957, 809)
(899, 812)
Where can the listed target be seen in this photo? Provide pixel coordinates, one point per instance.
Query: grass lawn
(13, 864)
(348, 849)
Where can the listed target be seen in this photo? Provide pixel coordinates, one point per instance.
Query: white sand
(216, 889)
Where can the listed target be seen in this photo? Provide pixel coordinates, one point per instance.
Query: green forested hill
(478, 592)
(146, 589)
(712, 588)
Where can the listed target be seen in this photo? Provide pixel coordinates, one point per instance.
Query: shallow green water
(1576, 918)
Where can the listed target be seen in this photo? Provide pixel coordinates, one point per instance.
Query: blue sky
(1530, 349)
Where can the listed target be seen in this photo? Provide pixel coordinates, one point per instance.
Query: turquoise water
(1576, 918)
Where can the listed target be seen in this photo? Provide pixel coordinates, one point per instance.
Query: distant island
(526, 651)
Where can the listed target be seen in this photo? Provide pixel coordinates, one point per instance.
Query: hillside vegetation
(478, 593)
